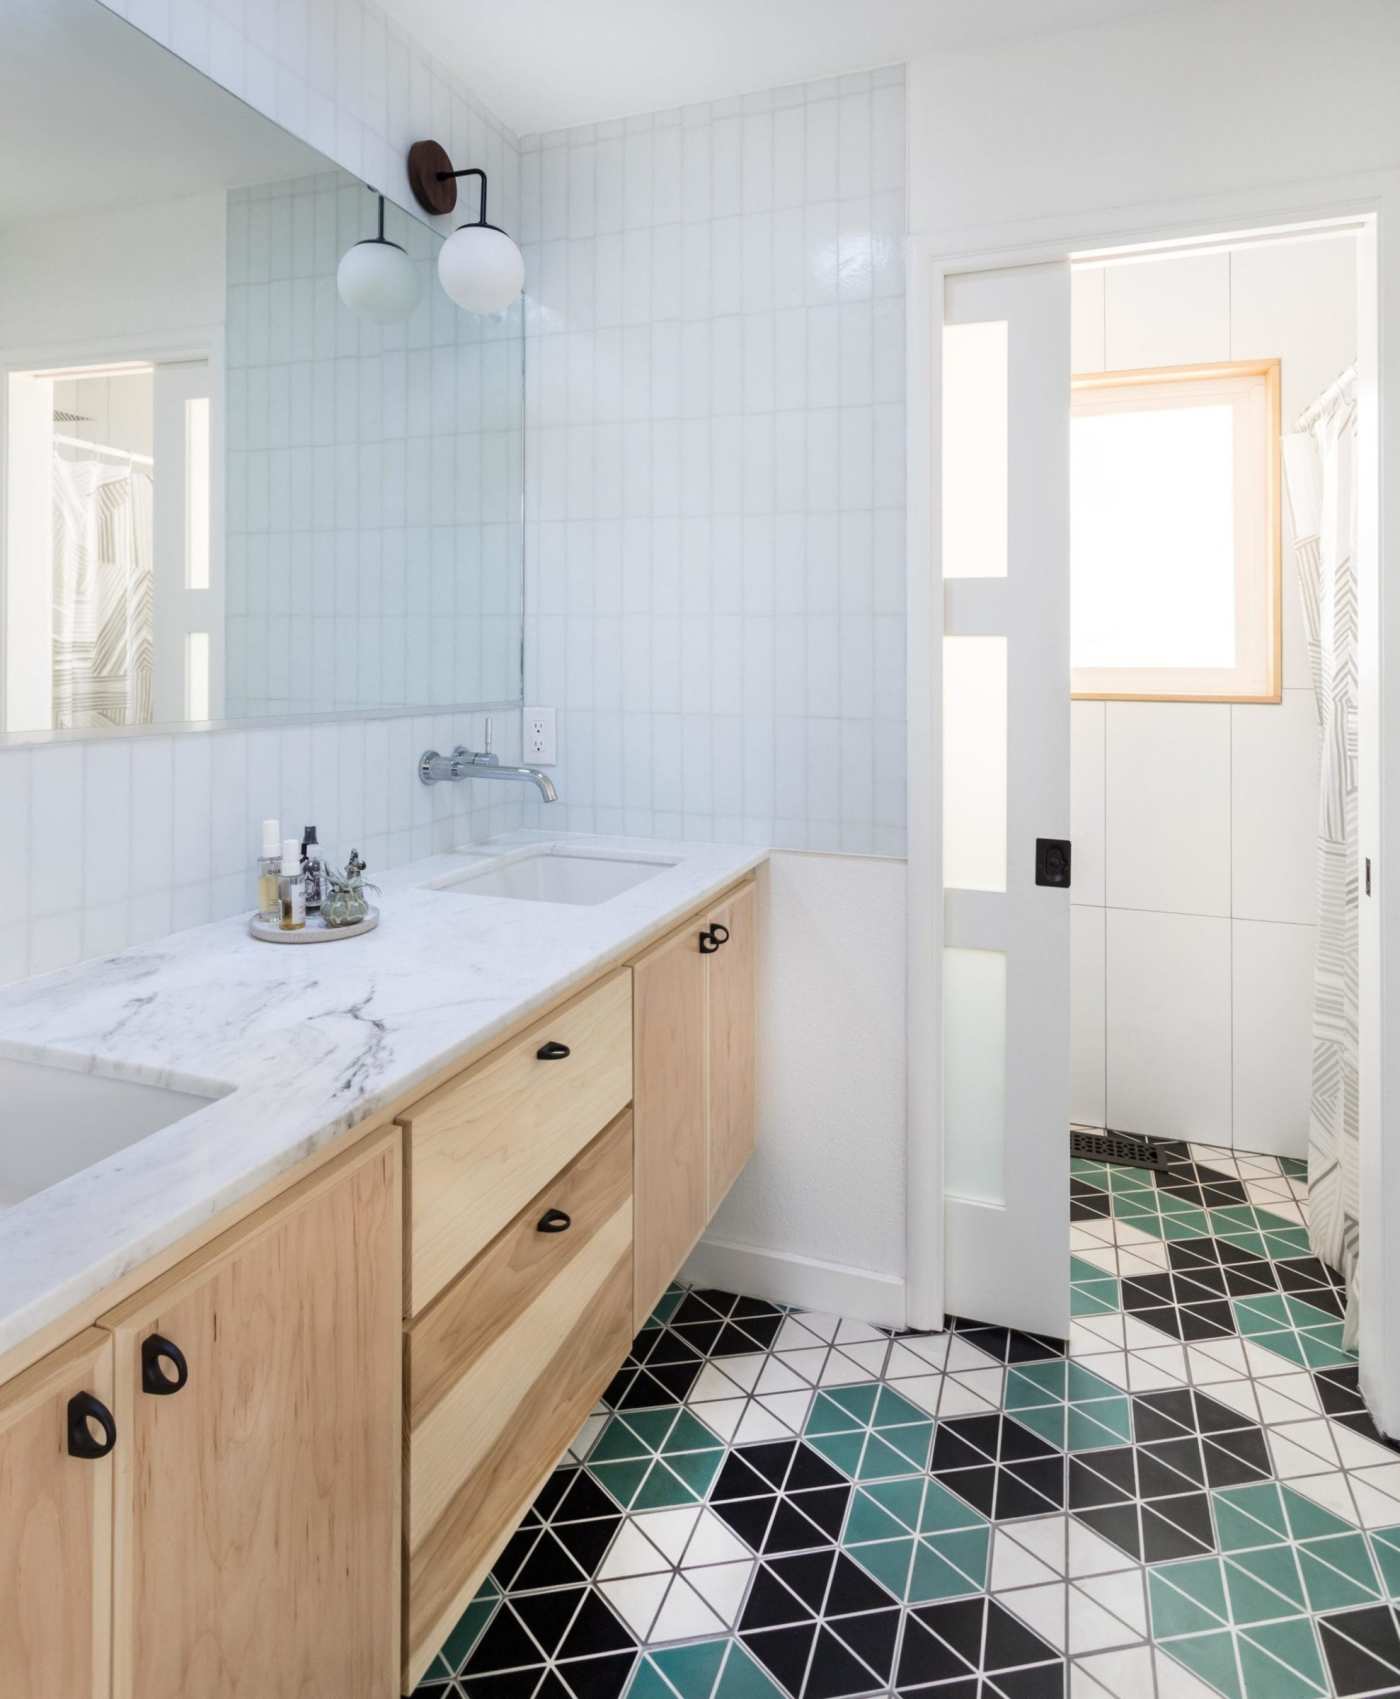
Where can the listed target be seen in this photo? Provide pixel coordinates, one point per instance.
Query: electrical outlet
(540, 748)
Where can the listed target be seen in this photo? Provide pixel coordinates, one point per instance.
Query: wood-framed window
(1175, 555)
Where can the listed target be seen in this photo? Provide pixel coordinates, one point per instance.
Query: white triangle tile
(1040, 1608)
(1237, 1395)
(1286, 1398)
(794, 1336)
(823, 1326)
(1107, 1328)
(1315, 1436)
(1144, 1376)
(1355, 1450)
(1175, 1681)
(790, 1408)
(1263, 1363)
(684, 1614)
(957, 1400)
(1332, 1493)
(1113, 1366)
(1217, 1359)
(1123, 1674)
(758, 1424)
(637, 1600)
(839, 1370)
(1092, 1628)
(869, 1356)
(916, 1356)
(722, 1588)
(713, 1542)
(590, 1430)
(1142, 1259)
(744, 1370)
(1084, 1235)
(806, 1364)
(961, 1356)
(1044, 1536)
(1374, 1509)
(1170, 1358)
(853, 1332)
(632, 1553)
(712, 1382)
(1090, 1554)
(721, 1415)
(923, 1390)
(986, 1383)
(1384, 1479)
(778, 1376)
(1101, 1257)
(1123, 1234)
(1289, 1210)
(1121, 1595)
(1014, 1566)
(1138, 1336)
(1291, 1462)
(669, 1530)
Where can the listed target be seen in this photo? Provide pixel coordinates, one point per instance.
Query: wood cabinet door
(733, 1047)
(670, 1087)
(256, 1551)
(56, 1528)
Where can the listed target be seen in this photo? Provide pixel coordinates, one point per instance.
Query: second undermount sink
(61, 1120)
(553, 876)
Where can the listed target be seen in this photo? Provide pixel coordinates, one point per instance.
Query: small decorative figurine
(345, 903)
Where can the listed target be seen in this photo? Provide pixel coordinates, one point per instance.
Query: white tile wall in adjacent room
(1274, 763)
(715, 467)
(1088, 984)
(119, 841)
(1088, 798)
(1272, 969)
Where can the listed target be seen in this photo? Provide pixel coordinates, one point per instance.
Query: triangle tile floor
(1186, 1498)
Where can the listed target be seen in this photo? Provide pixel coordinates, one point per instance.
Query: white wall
(1194, 823)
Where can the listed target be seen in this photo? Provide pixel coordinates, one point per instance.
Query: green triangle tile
(1185, 1224)
(1283, 1342)
(1327, 1588)
(1293, 1242)
(892, 1411)
(943, 1510)
(1048, 1376)
(1126, 1179)
(912, 1443)
(1081, 1270)
(1275, 1567)
(466, 1634)
(1023, 1393)
(933, 1577)
(743, 1679)
(1170, 1204)
(1269, 1222)
(828, 1417)
(857, 1400)
(647, 1683)
(1350, 1554)
(1308, 1521)
(696, 1468)
(1094, 1301)
(1083, 1384)
(1264, 1520)
(1303, 1314)
(617, 1440)
(903, 1499)
(687, 1435)
(1048, 1422)
(1100, 1424)
(1294, 1664)
(667, 1305)
(1212, 1657)
(1324, 1353)
(966, 1549)
(621, 1479)
(435, 1677)
(652, 1426)
(1268, 1310)
(888, 1561)
(1251, 1601)
(691, 1670)
(1187, 1597)
(867, 1520)
(1232, 1217)
(662, 1489)
(1386, 1544)
(1252, 1244)
(844, 1450)
(881, 1460)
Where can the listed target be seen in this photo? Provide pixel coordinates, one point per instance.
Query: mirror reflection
(226, 494)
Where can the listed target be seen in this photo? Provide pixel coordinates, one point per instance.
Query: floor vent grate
(1124, 1148)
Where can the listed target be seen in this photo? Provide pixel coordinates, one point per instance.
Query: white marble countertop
(305, 1042)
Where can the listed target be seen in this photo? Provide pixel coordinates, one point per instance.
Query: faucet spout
(464, 763)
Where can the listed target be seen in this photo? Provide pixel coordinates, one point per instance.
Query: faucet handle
(488, 734)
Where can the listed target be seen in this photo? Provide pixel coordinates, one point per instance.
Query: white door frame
(1373, 198)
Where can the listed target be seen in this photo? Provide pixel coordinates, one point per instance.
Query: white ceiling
(545, 64)
(94, 114)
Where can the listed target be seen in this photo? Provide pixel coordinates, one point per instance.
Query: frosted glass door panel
(974, 763)
(974, 450)
(974, 1075)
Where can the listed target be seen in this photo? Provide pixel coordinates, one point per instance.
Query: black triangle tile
(1018, 1442)
(836, 1673)
(808, 1575)
(1118, 1524)
(749, 1518)
(762, 1330)
(1195, 1322)
(977, 1487)
(1009, 1643)
(514, 1554)
(700, 1334)
(694, 1308)
(851, 1590)
(1116, 1467)
(784, 1652)
(810, 1469)
(1163, 1415)
(770, 1604)
(549, 1565)
(594, 1629)
(769, 1461)
(923, 1657)
(738, 1478)
(668, 1347)
(959, 1622)
(599, 1678)
(586, 1542)
(548, 1616)
(1233, 1460)
(966, 1440)
(552, 1491)
(1041, 1681)
(584, 1498)
(791, 1531)
(872, 1638)
(1030, 1489)
(511, 1684)
(551, 1687)
(824, 1506)
(750, 1307)
(1159, 1478)
(733, 1342)
(1169, 1530)
(1212, 1417)
(720, 1301)
(505, 1645)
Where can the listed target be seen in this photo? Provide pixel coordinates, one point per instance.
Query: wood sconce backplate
(434, 193)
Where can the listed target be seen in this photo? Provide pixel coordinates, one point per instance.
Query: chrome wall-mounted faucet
(464, 763)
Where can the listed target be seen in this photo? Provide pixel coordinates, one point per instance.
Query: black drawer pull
(708, 943)
(84, 1408)
(720, 933)
(552, 1052)
(554, 1221)
(155, 1349)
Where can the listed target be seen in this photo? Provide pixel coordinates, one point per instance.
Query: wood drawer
(480, 1147)
(500, 1374)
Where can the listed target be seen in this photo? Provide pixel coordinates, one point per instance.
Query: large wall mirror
(224, 494)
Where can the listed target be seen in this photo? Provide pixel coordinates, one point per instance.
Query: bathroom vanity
(276, 1451)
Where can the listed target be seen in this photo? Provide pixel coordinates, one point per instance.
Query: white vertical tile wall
(120, 841)
(1195, 823)
(715, 465)
(373, 515)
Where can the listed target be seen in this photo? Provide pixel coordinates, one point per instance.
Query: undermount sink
(61, 1120)
(553, 876)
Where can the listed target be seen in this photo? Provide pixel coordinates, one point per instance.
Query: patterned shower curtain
(1320, 467)
(102, 584)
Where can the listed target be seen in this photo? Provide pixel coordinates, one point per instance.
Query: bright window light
(197, 471)
(974, 449)
(197, 675)
(1174, 534)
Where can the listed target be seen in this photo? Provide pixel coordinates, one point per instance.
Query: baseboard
(804, 1282)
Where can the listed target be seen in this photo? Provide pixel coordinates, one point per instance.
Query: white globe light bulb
(378, 280)
(481, 269)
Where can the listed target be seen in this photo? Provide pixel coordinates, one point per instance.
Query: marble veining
(304, 1044)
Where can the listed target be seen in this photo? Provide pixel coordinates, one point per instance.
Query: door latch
(1052, 862)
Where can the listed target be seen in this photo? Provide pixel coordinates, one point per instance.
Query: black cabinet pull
(552, 1052)
(708, 943)
(554, 1221)
(84, 1408)
(719, 932)
(155, 1348)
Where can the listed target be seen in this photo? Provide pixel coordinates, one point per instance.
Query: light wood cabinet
(693, 1083)
(259, 1404)
(56, 1526)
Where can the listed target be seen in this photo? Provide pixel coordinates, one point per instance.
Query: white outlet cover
(539, 737)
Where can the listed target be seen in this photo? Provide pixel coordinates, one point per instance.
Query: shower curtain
(102, 584)
(1320, 469)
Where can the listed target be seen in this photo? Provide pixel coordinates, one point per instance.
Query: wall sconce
(377, 279)
(480, 268)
